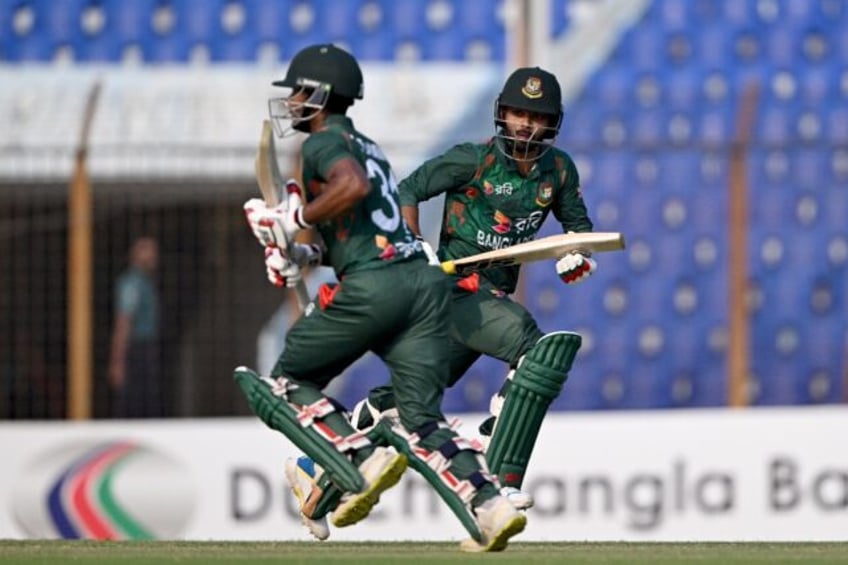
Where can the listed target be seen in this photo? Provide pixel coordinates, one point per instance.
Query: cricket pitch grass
(220, 553)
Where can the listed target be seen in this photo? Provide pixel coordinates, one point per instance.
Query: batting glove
(281, 270)
(278, 225)
(575, 267)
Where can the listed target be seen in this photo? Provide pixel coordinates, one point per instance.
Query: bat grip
(302, 295)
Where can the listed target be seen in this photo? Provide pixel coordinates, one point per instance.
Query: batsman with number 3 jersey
(390, 300)
(498, 194)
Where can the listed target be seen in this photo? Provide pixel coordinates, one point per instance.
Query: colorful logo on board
(111, 491)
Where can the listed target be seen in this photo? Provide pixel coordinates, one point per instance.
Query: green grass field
(219, 553)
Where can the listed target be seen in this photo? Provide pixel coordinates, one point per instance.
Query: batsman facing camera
(528, 91)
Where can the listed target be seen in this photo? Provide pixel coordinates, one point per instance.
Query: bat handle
(302, 295)
(449, 267)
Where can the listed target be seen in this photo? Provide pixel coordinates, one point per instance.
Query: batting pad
(297, 425)
(536, 383)
(457, 493)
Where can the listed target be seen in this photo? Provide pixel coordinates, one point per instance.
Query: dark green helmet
(533, 90)
(325, 65)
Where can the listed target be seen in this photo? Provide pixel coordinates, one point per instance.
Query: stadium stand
(652, 132)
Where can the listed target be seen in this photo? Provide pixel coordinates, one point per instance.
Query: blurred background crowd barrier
(713, 133)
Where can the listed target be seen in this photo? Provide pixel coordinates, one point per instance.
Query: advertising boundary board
(778, 474)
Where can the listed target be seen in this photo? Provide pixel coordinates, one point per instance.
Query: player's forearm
(346, 185)
(410, 214)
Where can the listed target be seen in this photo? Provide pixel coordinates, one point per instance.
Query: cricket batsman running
(390, 300)
(498, 194)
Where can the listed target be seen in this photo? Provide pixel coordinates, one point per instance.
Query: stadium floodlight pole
(80, 293)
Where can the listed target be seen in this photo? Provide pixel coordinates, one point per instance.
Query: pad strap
(269, 399)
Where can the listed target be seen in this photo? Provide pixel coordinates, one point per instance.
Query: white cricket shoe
(302, 478)
(381, 471)
(498, 520)
(517, 497)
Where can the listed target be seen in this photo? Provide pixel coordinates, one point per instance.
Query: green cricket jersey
(490, 205)
(372, 234)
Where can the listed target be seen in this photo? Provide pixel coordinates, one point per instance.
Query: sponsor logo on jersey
(545, 194)
(532, 88)
(531, 222)
(501, 189)
(488, 188)
(118, 490)
(502, 223)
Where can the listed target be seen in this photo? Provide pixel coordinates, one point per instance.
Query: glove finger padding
(575, 267)
(268, 224)
(280, 269)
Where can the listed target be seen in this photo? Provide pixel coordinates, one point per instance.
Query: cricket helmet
(319, 72)
(534, 90)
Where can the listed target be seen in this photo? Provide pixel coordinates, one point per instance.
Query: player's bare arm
(410, 215)
(346, 185)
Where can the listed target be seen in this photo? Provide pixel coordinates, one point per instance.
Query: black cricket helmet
(533, 90)
(319, 72)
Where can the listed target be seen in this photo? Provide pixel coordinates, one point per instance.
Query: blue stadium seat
(581, 126)
(406, 18)
(33, 48)
(836, 123)
(819, 84)
(776, 123)
(714, 48)
(59, 21)
(269, 19)
(809, 168)
(642, 47)
(106, 48)
(378, 46)
(199, 20)
(173, 49)
(611, 87)
(243, 47)
(613, 173)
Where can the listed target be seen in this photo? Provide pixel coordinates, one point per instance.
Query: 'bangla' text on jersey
(490, 205)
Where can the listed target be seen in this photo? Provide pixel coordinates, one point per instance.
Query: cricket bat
(271, 184)
(552, 247)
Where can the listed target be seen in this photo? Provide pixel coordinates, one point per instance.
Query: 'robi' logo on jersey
(502, 222)
(109, 491)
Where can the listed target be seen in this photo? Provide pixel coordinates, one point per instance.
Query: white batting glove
(575, 267)
(278, 225)
(281, 270)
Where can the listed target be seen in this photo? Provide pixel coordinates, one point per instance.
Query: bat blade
(267, 169)
(272, 185)
(552, 247)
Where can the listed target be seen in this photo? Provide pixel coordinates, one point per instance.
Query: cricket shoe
(381, 471)
(498, 520)
(302, 477)
(517, 497)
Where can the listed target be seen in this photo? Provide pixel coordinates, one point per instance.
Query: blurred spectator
(134, 365)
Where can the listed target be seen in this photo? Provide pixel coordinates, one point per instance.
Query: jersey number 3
(388, 190)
